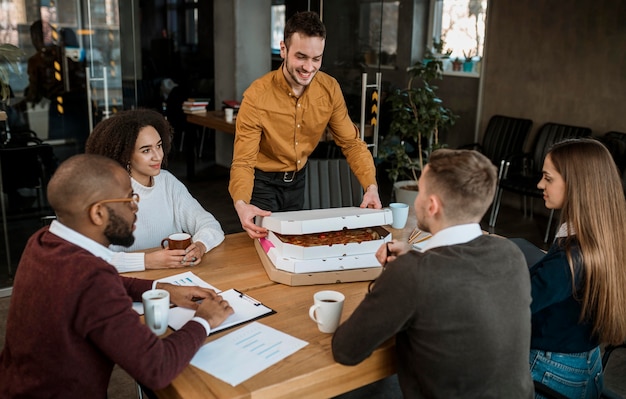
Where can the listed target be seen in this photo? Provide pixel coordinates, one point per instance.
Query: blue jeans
(575, 375)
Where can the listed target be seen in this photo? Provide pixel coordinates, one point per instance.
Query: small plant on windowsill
(437, 50)
(417, 118)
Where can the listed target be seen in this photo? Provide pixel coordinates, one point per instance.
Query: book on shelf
(194, 111)
(198, 100)
(231, 104)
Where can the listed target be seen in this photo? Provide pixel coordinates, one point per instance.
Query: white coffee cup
(326, 310)
(156, 307)
(400, 213)
(228, 114)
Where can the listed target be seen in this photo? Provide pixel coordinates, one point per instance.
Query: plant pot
(405, 191)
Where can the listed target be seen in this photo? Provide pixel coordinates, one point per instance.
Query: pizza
(345, 236)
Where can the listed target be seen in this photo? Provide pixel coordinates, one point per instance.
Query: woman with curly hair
(139, 139)
(578, 288)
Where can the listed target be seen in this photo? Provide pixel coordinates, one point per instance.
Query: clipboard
(246, 309)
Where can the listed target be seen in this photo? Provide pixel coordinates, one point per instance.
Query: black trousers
(279, 191)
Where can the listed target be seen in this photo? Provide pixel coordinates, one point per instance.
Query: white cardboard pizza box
(323, 264)
(329, 277)
(320, 220)
(323, 220)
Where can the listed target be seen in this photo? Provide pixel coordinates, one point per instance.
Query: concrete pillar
(242, 54)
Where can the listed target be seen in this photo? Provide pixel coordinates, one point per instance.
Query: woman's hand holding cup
(178, 251)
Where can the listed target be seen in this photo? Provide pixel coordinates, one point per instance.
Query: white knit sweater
(165, 208)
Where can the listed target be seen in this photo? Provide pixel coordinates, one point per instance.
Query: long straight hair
(595, 211)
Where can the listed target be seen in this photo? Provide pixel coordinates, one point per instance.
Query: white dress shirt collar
(96, 249)
(563, 231)
(459, 234)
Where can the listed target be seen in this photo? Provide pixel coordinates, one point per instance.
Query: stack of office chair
(520, 173)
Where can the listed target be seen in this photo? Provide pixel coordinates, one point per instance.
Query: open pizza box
(341, 255)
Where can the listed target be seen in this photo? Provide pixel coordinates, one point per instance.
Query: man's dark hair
(307, 23)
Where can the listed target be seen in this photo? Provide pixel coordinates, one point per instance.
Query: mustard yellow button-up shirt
(277, 131)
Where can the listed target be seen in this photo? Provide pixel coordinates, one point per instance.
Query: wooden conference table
(212, 120)
(310, 372)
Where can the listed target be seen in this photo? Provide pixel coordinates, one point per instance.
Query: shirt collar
(563, 231)
(459, 234)
(96, 249)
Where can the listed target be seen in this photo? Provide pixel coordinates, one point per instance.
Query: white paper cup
(326, 310)
(156, 307)
(228, 114)
(400, 213)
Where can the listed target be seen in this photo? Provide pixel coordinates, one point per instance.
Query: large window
(378, 32)
(458, 29)
(278, 26)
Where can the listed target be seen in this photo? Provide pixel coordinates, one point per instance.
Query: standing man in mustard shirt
(280, 122)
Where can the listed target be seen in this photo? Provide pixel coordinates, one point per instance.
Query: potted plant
(417, 118)
(468, 64)
(457, 64)
(9, 57)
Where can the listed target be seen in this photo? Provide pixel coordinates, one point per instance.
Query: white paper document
(245, 309)
(185, 279)
(240, 355)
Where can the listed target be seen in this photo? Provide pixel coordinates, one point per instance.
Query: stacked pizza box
(310, 254)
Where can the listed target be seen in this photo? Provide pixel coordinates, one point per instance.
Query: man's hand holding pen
(389, 251)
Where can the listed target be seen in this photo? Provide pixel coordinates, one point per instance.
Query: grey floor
(210, 187)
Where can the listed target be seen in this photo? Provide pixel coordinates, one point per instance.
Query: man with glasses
(70, 319)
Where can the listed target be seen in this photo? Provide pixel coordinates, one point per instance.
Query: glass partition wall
(76, 70)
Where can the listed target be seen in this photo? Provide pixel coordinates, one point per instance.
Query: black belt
(286, 177)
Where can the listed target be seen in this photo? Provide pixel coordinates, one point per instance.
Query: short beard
(117, 232)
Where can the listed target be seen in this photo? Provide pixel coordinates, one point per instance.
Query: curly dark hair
(115, 137)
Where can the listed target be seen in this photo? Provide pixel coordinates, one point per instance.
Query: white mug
(326, 310)
(156, 307)
(399, 213)
(229, 114)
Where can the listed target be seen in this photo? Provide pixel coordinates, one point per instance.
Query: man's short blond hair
(464, 180)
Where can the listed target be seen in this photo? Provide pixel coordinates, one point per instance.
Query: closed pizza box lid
(320, 220)
(312, 278)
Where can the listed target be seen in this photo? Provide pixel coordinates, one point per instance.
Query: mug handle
(312, 310)
(163, 241)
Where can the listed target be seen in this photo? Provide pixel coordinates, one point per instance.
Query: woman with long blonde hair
(579, 287)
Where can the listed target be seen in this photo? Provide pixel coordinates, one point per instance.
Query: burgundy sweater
(70, 320)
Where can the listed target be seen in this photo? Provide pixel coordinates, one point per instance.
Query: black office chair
(29, 165)
(520, 173)
(331, 184)
(616, 144)
(504, 136)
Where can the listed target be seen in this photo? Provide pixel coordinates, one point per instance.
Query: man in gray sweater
(460, 309)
